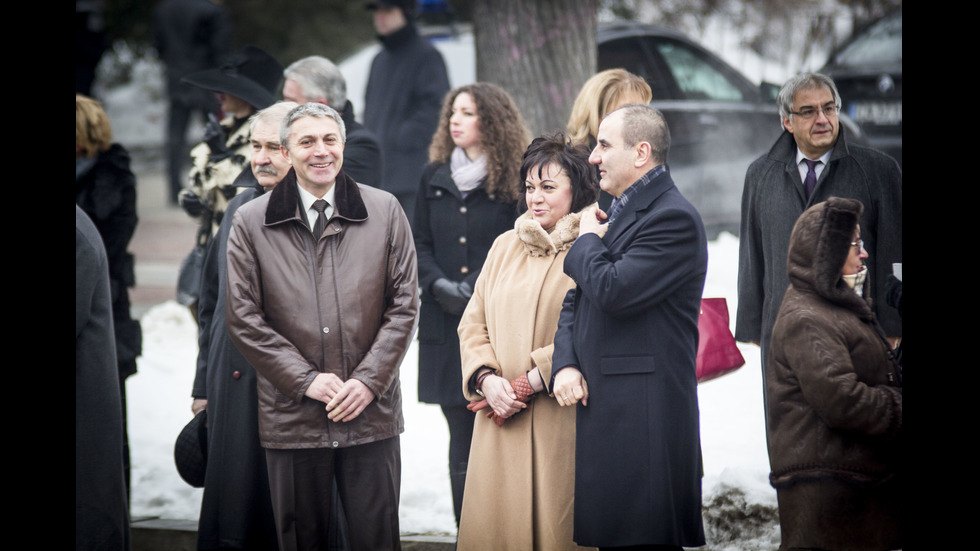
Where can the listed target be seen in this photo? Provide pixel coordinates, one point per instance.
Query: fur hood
(818, 248)
(538, 242)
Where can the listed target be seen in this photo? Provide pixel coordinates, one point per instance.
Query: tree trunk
(540, 51)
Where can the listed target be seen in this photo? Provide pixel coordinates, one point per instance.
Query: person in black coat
(407, 82)
(101, 509)
(105, 189)
(189, 36)
(317, 79)
(626, 345)
(467, 196)
(236, 510)
(775, 194)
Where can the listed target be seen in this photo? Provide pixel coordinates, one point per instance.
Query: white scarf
(467, 175)
(856, 281)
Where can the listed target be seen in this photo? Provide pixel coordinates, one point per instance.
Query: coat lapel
(638, 204)
(284, 203)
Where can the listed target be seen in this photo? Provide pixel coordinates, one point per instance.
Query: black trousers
(368, 479)
(460, 421)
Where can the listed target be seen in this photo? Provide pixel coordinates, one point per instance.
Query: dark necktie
(320, 205)
(810, 181)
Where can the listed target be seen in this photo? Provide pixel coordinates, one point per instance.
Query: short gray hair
(319, 78)
(311, 109)
(644, 123)
(272, 114)
(799, 82)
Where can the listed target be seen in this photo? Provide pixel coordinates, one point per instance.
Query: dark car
(719, 121)
(868, 72)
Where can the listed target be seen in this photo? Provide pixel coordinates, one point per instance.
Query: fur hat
(819, 245)
(252, 75)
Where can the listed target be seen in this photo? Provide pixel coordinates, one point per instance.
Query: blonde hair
(93, 133)
(598, 96)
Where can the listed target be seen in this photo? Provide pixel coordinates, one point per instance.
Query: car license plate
(876, 112)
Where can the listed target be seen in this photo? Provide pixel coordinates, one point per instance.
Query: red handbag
(717, 352)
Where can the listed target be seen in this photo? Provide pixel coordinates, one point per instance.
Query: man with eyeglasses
(810, 162)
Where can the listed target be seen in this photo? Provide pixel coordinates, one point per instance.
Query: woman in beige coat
(520, 480)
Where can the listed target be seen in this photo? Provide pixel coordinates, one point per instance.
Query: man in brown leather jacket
(325, 312)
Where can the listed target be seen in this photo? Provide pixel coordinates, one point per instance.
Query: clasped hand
(344, 400)
(501, 397)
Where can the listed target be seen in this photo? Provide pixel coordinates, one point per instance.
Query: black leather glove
(216, 137)
(191, 203)
(453, 296)
(893, 293)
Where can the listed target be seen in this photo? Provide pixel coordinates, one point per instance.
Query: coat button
(462, 240)
(237, 375)
(336, 444)
(462, 210)
(326, 330)
(464, 270)
(438, 193)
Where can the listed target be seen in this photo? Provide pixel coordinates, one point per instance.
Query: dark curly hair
(558, 149)
(503, 135)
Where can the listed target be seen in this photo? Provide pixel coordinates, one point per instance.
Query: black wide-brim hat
(252, 75)
(191, 450)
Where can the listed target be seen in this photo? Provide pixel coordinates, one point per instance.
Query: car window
(695, 76)
(636, 57)
(881, 43)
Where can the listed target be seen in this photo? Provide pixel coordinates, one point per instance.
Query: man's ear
(285, 153)
(643, 153)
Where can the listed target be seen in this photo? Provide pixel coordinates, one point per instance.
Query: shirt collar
(823, 158)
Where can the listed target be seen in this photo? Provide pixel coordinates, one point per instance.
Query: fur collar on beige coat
(538, 242)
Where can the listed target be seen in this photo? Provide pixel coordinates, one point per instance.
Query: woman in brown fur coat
(835, 395)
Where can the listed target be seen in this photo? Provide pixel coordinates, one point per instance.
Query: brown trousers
(368, 480)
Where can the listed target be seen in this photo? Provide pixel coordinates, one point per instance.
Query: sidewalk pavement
(164, 236)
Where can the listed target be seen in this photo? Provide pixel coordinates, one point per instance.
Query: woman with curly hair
(467, 197)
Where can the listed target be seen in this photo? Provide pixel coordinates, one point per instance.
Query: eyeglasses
(859, 244)
(808, 113)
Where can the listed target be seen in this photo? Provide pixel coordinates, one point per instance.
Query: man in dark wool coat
(101, 505)
(626, 345)
(810, 162)
(404, 93)
(236, 510)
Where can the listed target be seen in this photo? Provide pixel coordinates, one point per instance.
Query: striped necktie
(811, 177)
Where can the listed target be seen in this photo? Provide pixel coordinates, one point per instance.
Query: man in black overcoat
(405, 89)
(236, 510)
(776, 193)
(626, 345)
(101, 504)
